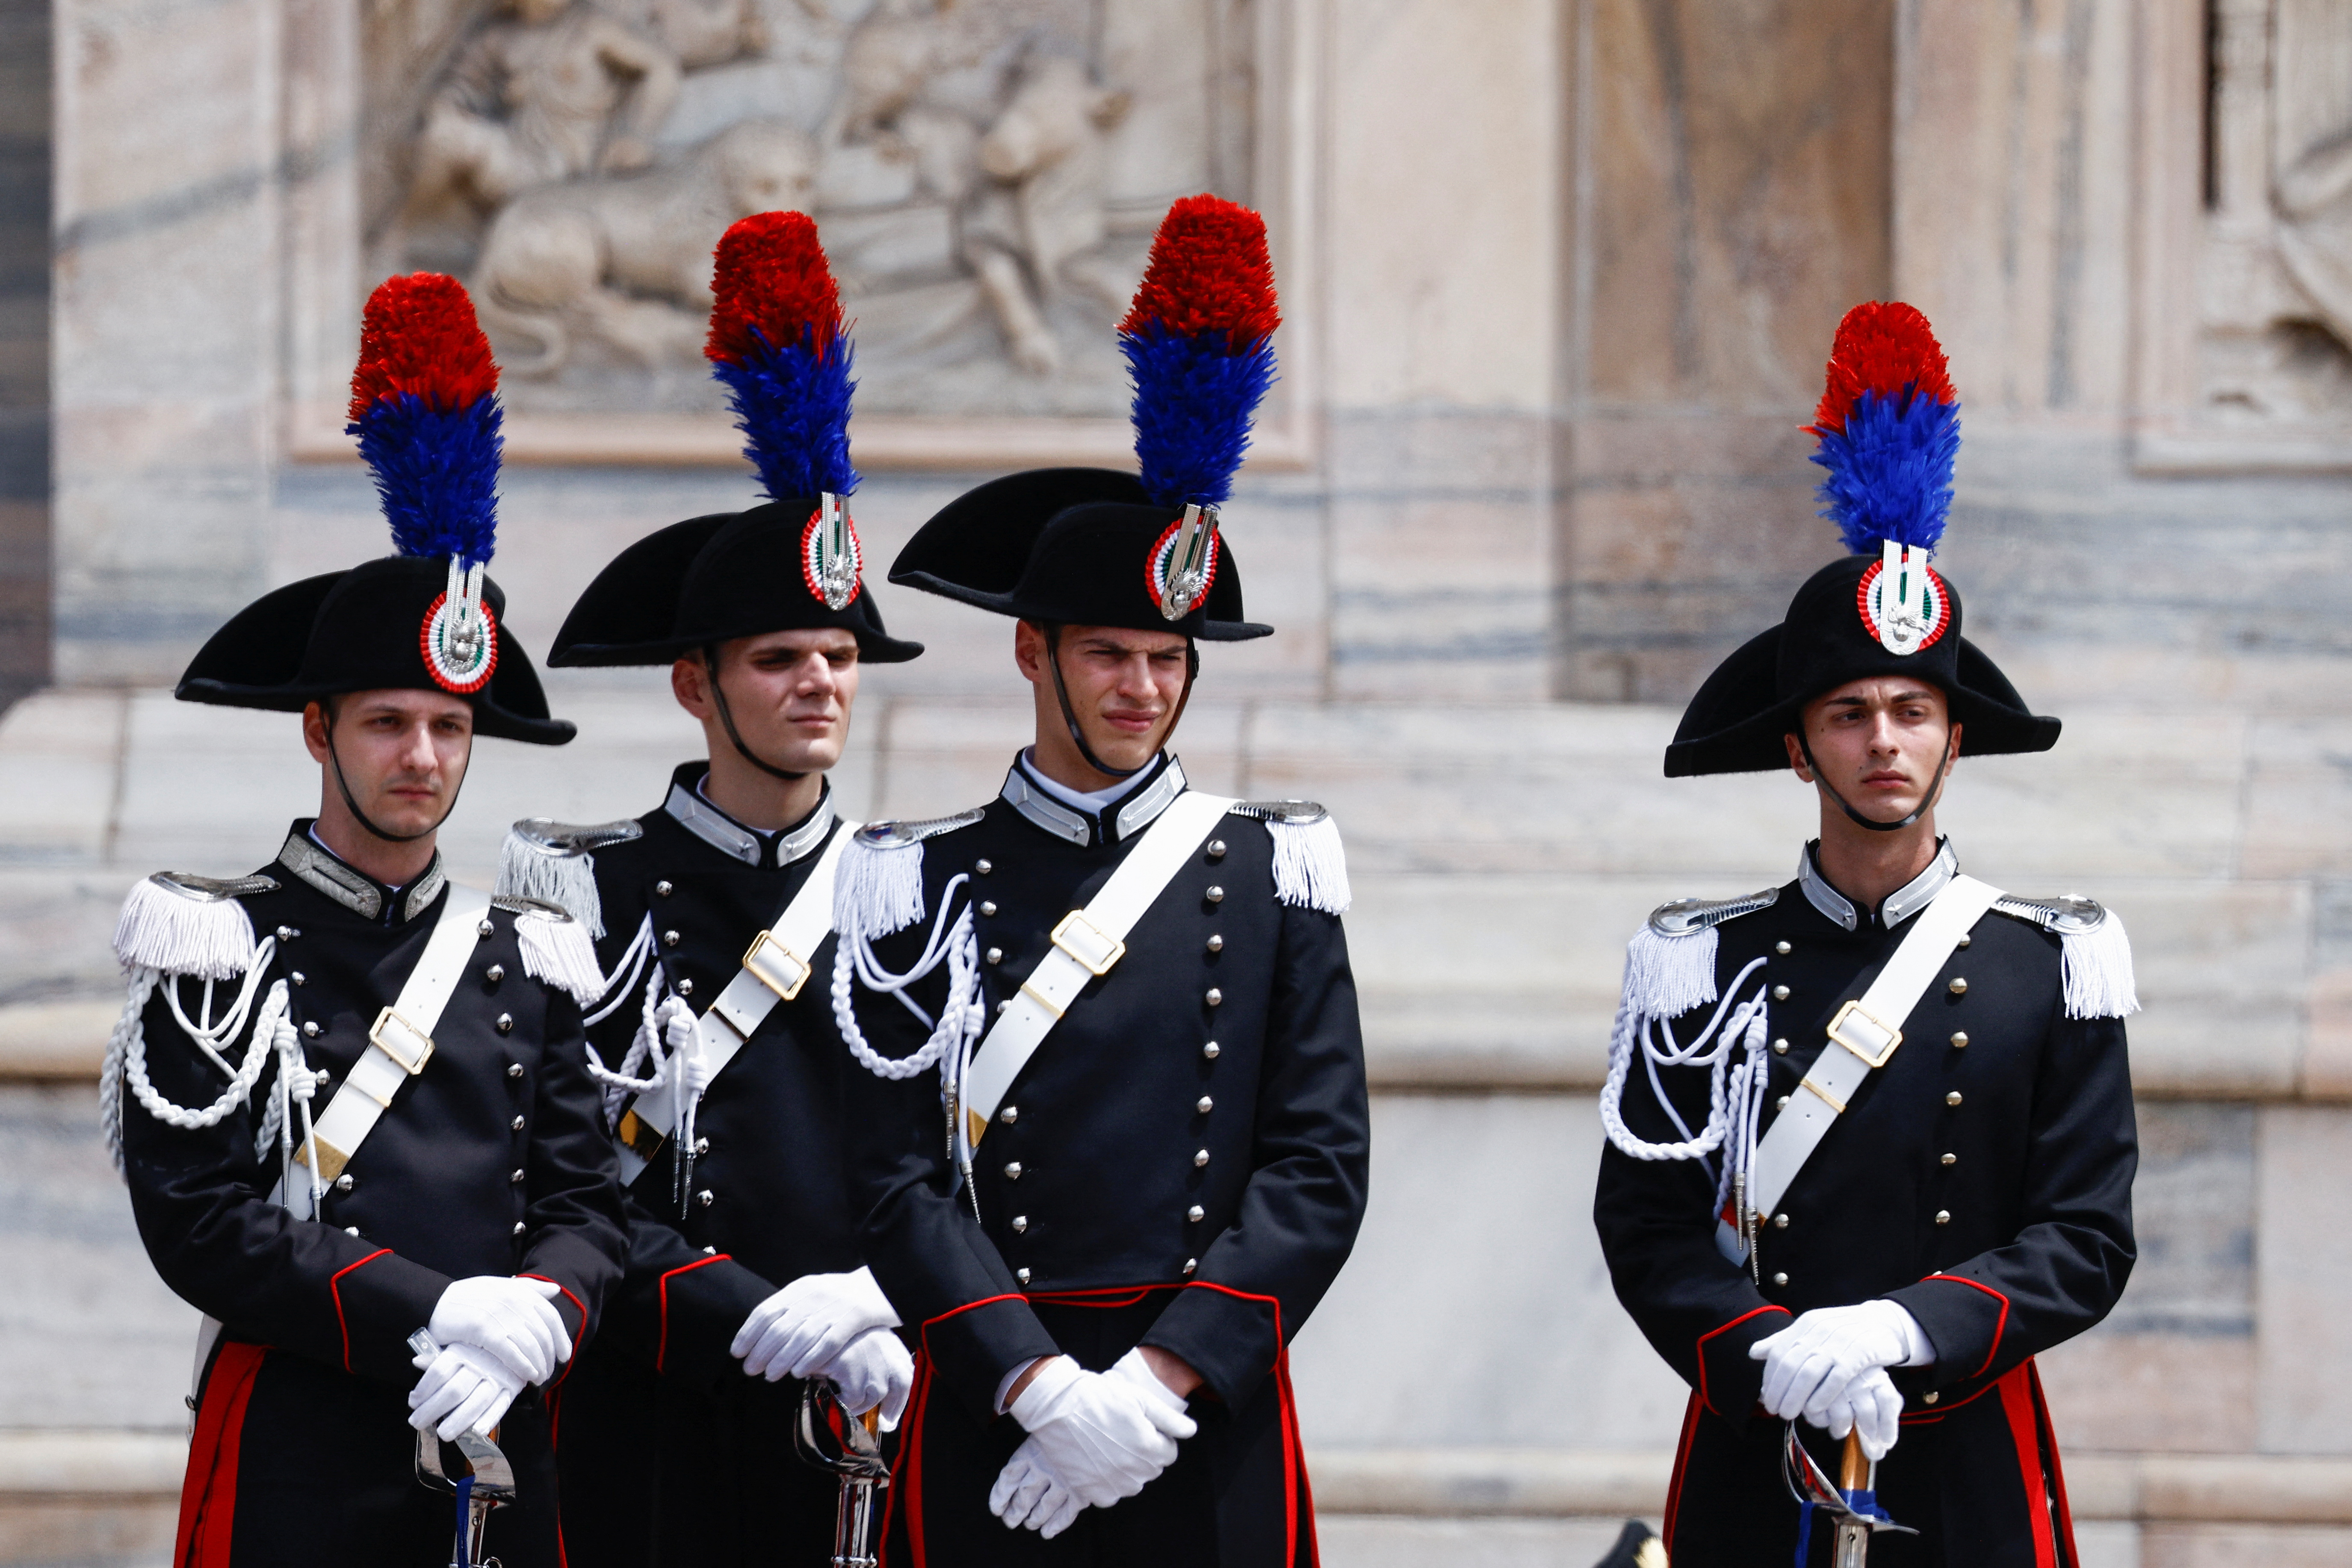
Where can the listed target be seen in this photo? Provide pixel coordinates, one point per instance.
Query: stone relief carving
(2275, 306)
(986, 174)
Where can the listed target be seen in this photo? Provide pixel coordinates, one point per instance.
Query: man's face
(790, 693)
(403, 753)
(1123, 684)
(1880, 743)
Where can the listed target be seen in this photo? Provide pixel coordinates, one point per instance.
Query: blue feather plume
(1890, 471)
(436, 471)
(1194, 400)
(792, 406)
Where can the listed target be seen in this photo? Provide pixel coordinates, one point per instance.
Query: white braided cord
(959, 1022)
(1727, 1027)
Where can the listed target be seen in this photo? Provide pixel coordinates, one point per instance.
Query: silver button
(1215, 997)
(663, 889)
(984, 866)
(1209, 1050)
(1779, 994)
(706, 1197)
(701, 1145)
(1781, 1103)
(1201, 1159)
(1217, 848)
(1943, 1217)
(1215, 894)
(1953, 1098)
(1196, 1213)
(1003, 1004)
(988, 906)
(515, 1177)
(1780, 1048)
(1779, 1279)
(1009, 1115)
(1013, 1171)
(1020, 1224)
(669, 939)
(1930, 1398)
(1204, 1105)
(354, 1230)
(506, 1023)
(1963, 942)
(1217, 943)
(685, 987)
(1191, 1263)
(711, 1251)
(514, 1069)
(995, 955)
(515, 1124)
(1951, 1159)
(1782, 948)
(310, 1028)
(1959, 1040)
(1022, 1275)
(325, 1077)
(485, 929)
(495, 972)
(344, 1183)
(518, 1229)
(1959, 986)
(1780, 1222)
(287, 933)
(299, 978)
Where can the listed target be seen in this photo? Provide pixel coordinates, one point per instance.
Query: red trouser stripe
(208, 1494)
(2025, 1431)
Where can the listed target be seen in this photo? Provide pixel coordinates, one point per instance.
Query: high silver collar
(731, 839)
(1133, 814)
(1901, 904)
(360, 893)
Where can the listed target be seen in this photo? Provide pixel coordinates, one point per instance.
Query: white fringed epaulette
(1670, 962)
(555, 947)
(175, 923)
(2095, 956)
(1310, 865)
(878, 887)
(554, 863)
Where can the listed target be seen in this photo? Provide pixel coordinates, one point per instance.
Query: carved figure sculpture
(1042, 206)
(615, 258)
(560, 90)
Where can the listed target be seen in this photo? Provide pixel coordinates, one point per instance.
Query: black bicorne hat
(1145, 551)
(358, 631)
(1889, 430)
(1754, 698)
(709, 580)
(1070, 547)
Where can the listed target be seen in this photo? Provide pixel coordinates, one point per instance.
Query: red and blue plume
(424, 408)
(1889, 425)
(778, 345)
(1199, 343)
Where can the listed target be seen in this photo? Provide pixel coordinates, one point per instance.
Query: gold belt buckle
(409, 1047)
(1893, 1035)
(1088, 942)
(776, 966)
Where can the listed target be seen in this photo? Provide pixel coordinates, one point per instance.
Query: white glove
(1027, 1495)
(1097, 1434)
(873, 1369)
(1807, 1364)
(463, 1388)
(1871, 1406)
(508, 1317)
(802, 1328)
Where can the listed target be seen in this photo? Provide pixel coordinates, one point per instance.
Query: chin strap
(1820, 783)
(1070, 718)
(726, 717)
(351, 805)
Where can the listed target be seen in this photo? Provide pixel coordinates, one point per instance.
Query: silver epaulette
(1297, 813)
(516, 904)
(212, 889)
(551, 838)
(1689, 917)
(2070, 914)
(898, 835)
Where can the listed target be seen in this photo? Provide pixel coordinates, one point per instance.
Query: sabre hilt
(485, 1482)
(829, 1437)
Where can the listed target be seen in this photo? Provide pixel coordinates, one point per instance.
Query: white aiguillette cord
(1863, 1036)
(1086, 945)
(774, 969)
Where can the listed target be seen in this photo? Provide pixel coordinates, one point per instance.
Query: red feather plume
(771, 274)
(1208, 273)
(419, 335)
(1881, 347)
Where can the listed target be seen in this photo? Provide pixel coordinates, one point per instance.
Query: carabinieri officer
(723, 1075)
(1870, 1132)
(350, 1097)
(1140, 1161)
